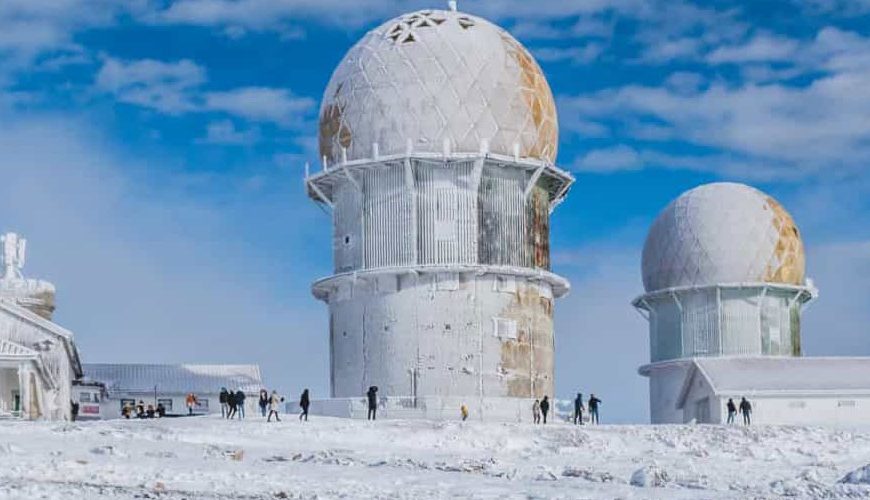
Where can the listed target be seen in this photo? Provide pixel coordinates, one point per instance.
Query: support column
(24, 390)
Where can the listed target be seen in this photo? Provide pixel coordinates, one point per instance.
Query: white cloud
(791, 131)
(761, 48)
(177, 87)
(165, 87)
(670, 50)
(576, 55)
(225, 132)
(613, 159)
(261, 104)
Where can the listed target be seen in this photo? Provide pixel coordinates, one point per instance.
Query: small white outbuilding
(786, 390)
(169, 385)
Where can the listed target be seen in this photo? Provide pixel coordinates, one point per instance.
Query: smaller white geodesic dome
(436, 76)
(723, 233)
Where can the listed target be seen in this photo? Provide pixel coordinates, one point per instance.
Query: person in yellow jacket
(464, 411)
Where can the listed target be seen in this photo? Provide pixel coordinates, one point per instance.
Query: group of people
(232, 403)
(592, 405)
(745, 410)
(270, 405)
(141, 410)
(541, 408)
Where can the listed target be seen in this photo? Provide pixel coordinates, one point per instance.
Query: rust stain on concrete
(538, 233)
(333, 127)
(790, 265)
(539, 100)
(528, 362)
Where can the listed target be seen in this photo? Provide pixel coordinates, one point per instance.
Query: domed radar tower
(438, 134)
(724, 273)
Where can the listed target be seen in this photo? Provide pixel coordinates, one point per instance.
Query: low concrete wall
(429, 408)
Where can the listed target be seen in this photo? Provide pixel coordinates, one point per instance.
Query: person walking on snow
(190, 401)
(545, 408)
(372, 396)
(732, 410)
(593, 408)
(536, 412)
(264, 402)
(231, 401)
(463, 410)
(222, 397)
(240, 403)
(304, 403)
(274, 403)
(746, 410)
(578, 409)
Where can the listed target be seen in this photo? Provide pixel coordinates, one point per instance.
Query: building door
(702, 411)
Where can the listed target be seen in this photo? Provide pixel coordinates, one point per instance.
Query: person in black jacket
(746, 410)
(264, 402)
(593, 408)
(225, 409)
(304, 402)
(231, 401)
(240, 403)
(545, 408)
(732, 410)
(74, 410)
(578, 409)
(372, 396)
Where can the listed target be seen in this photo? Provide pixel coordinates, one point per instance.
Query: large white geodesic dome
(723, 233)
(432, 76)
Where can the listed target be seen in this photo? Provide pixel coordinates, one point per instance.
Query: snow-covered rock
(651, 476)
(860, 475)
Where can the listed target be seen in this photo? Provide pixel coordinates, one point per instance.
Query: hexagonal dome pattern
(432, 76)
(723, 233)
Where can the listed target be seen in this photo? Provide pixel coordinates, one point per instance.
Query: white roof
(435, 76)
(781, 376)
(723, 233)
(175, 379)
(45, 325)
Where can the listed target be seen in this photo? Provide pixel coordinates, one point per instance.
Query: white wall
(804, 410)
(434, 334)
(665, 383)
(429, 408)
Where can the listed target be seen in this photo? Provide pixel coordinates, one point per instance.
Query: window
(167, 403)
(447, 281)
(202, 404)
(505, 284)
(125, 402)
(845, 403)
(797, 404)
(84, 397)
(505, 328)
(387, 283)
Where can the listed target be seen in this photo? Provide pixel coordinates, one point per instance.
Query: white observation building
(438, 137)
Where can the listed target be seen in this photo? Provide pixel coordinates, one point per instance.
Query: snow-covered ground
(206, 457)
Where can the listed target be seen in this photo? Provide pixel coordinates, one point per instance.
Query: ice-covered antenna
(452, 5)
(14, 252)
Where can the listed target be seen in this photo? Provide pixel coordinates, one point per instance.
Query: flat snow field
(207, 457)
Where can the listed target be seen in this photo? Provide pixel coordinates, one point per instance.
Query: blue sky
(153, 151)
